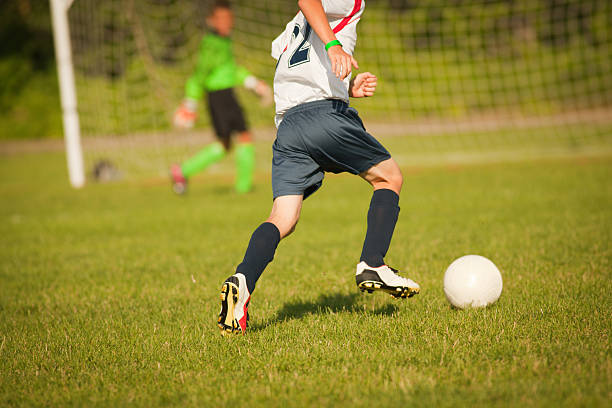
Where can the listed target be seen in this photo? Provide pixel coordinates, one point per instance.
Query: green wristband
(331, 44)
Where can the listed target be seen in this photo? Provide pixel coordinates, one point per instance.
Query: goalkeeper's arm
(186, 114)
(250, 82)
(260, 88)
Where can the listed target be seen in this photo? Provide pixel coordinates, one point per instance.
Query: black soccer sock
(259, 253)
(382, 217)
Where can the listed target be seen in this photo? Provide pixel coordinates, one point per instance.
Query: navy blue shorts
(318, 137)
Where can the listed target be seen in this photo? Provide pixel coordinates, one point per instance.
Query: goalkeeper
(216, 75)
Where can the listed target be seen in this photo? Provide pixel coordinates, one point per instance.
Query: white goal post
(65, 73)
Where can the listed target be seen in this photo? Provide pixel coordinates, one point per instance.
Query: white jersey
(303, 72)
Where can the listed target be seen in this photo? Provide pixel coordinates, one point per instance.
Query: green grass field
(109, 295)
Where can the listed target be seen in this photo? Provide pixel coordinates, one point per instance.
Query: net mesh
(523, 76)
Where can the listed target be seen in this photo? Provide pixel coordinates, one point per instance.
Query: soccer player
(318, 132)
(217, 74)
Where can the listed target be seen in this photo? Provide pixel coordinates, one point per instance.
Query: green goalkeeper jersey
(216, 68)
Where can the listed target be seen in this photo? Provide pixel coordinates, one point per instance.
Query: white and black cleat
(386, 279)
(235, 299)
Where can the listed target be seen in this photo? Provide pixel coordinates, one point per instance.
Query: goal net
(501, 77)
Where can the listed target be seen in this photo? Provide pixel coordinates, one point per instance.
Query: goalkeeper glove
(185, 115)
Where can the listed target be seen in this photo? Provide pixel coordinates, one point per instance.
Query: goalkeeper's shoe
(179, 182)
(386, 279)
(235, 299)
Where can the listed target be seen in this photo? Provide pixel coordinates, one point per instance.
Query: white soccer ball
(472, 281)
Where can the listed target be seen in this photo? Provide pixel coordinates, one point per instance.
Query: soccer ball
(472, 281)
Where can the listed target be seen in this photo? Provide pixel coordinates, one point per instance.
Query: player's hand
(185, 115)
(264, 92)
(363, 85)
(341, 62)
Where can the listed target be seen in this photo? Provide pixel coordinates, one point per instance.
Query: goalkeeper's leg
(200, 161)
(245, 162)
(204, 158)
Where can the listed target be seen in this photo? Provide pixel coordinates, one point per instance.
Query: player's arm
(194, 88)
(186, 114)
(315, 15)
(254, 84)
(363, 85)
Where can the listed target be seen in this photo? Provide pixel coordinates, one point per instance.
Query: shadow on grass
(221, 189)
(329, 303)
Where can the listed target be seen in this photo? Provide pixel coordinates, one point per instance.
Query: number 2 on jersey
(302, 52)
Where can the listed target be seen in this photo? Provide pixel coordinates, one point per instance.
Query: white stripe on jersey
(303, 72)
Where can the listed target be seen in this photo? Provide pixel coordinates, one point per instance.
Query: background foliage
(29, 101)
(435, 58)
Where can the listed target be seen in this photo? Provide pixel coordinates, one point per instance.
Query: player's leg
(385, 175)
(231, 116)
(210, 154)
(295, 176)
(386, 179)
(245, 162)
(237, 289)
(285, 213)
(216, 151)
(262, 246)
(372, 273)
(201, 160)
(343, 144)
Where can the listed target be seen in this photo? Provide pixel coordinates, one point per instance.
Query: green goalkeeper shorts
(318, 137)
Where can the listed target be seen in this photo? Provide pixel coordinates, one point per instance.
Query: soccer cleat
(386, 279)
(179, 182)
(235, 299)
